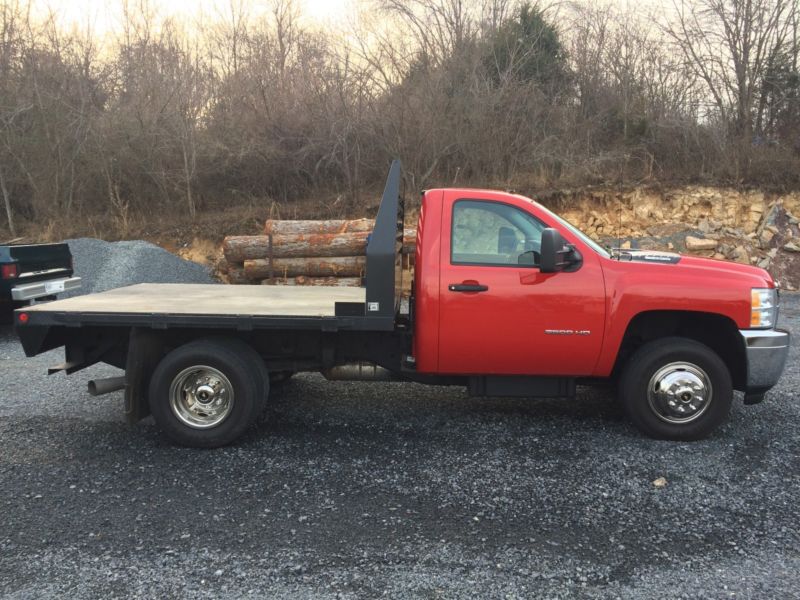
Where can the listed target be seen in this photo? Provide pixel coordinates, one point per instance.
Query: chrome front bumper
(766, 351)
(49, 287)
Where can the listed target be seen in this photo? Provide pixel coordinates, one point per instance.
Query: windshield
(583, 237)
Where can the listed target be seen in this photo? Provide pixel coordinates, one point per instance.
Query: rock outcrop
(750, 227)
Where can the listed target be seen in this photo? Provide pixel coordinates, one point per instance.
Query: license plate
(53, 287)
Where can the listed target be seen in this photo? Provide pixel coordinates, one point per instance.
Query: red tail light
(23, 318)
(9, 271)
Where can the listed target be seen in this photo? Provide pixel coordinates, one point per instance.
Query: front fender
(635, 289)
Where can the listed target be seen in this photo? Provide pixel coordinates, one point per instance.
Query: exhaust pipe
(98, 387)
(361, 371)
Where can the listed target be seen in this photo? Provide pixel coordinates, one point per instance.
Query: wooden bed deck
(209, 299)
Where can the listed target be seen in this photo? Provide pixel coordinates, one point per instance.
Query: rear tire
(207, 393)
(676, 389)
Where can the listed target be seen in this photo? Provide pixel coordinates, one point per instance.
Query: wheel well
(146, 349)
(717, 332)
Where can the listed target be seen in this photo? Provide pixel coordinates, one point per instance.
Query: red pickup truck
(508, 300)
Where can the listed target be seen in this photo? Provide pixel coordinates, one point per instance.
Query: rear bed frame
(293, 328)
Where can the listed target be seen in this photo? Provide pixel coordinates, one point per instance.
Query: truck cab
(505, 289)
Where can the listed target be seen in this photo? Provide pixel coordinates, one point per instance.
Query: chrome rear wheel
(201, 396)
(208, 392)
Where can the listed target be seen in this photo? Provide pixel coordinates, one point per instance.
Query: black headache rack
(383, 261)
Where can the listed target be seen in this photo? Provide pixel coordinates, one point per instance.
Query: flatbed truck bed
(270, 332)
(168, 304)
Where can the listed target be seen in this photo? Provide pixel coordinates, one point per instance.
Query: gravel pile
(107, 265)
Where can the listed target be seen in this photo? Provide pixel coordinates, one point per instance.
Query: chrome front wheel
(201, 396)
(679, 392)
(676, 389)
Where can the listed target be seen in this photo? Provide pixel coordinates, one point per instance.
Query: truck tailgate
(51, 258)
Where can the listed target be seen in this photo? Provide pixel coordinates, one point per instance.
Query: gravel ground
(107, 265)
(363, 490)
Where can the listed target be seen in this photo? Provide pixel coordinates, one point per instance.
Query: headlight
(763, 307)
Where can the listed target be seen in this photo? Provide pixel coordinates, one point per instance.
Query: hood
(709, 266)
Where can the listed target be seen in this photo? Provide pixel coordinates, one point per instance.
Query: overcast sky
(105, 15)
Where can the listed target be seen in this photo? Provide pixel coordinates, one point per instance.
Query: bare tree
(256, 104)
(730, 45)
(440, 27)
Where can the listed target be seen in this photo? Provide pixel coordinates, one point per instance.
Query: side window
(491, 233)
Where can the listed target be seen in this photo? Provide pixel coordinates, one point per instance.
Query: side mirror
(556, 254)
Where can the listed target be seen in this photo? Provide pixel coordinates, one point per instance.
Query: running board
(521, 386)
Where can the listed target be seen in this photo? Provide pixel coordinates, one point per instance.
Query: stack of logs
(306, 253)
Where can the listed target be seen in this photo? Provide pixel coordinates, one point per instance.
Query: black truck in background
(33, 272)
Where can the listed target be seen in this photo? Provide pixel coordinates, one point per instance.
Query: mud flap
(144, 353)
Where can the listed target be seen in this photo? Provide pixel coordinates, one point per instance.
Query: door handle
(467, 287)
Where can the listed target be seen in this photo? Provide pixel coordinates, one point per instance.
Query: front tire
(676, 389)
(207, 393)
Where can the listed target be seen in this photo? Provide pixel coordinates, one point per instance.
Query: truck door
(498, 313)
